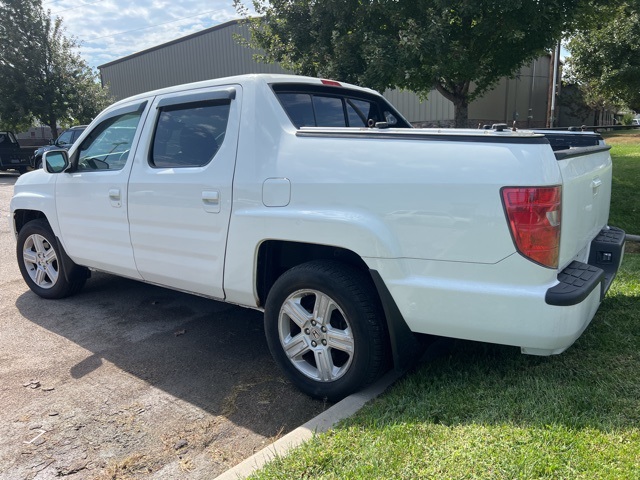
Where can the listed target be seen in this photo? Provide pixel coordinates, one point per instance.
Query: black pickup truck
(12, 157)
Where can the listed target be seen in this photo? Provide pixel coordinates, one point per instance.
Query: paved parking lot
(132, 380)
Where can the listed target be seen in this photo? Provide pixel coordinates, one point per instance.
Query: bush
(627, 119)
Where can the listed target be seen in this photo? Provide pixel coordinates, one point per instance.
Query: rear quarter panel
(436, 199)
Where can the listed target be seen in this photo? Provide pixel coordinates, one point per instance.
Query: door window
(76, 134)
(107, 146)
(189, 135)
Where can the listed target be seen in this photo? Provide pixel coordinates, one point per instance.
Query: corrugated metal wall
(214, 53)
(517, 98)
(436, 108)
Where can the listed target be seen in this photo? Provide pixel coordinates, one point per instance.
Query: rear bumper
(505, 303)
(14, 160)
(578, 280)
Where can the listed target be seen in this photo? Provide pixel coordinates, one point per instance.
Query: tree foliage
(42, 78)
(605, 55)
(460, 47)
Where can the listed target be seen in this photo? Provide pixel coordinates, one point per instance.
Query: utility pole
(556, 64)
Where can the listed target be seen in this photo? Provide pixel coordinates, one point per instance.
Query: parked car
(12, 156)
(64, 141)
(316, 202)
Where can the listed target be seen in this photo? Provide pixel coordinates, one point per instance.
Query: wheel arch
(275, 257)
(23, 216)
(72, 272)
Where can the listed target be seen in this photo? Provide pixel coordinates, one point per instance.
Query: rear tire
(326, 329)
(40, 259)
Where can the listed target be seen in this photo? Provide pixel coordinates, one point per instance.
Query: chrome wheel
(315, 335)
(40, 261)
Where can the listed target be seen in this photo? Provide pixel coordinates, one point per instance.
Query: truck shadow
(210, 354)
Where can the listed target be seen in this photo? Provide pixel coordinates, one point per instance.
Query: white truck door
(91, 201)
(180, 189)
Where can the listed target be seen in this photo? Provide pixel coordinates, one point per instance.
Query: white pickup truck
(316, 202)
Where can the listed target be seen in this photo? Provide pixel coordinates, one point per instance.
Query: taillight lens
(534, 215)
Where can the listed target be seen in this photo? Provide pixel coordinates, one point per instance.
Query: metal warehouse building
(214, 53)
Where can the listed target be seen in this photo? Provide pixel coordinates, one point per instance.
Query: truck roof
(251, 78)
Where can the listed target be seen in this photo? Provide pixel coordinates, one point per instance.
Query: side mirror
(51, 141)
(56, 161)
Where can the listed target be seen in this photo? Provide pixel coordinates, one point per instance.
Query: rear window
(7, 138)
(319, 106)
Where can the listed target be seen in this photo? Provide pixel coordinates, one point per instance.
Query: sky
(112, 29)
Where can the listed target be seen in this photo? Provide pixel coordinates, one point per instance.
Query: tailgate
(586, 194)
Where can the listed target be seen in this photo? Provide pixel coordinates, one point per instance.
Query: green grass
(625, 198)
(486, 411)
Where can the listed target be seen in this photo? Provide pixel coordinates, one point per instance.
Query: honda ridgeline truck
(316, 202)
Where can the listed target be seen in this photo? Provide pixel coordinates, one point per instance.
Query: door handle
(211, 201)
(595, 185)
(114, 197)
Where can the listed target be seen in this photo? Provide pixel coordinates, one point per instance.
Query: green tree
(605, 55)
(460, 47)
(42, 78)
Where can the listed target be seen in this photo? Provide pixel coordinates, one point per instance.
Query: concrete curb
(323, 422)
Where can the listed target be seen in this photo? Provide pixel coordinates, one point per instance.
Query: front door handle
(114, 197)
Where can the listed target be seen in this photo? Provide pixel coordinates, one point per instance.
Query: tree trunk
(457, 95)
(53, 125)
(461, 113)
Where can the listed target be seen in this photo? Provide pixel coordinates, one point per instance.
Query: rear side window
(189, 135)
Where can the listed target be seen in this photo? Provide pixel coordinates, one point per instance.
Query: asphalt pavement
(132, 380)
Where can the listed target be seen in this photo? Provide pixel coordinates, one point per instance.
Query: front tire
(41, 262)
(325, 329)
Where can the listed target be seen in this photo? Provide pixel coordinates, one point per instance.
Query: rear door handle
(211, 201)
(114, 197)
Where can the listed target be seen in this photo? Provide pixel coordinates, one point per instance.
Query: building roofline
(173, 42)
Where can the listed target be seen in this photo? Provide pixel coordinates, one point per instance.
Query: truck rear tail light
(534, 215)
